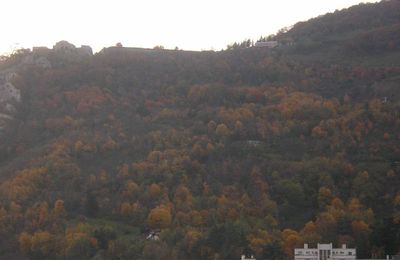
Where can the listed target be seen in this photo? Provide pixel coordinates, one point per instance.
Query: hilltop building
(266, 44)
(64, 46)
(325, 252)
(40, 50)
(67, 48)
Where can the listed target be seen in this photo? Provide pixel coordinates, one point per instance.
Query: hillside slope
(158, 154)
(365, 32)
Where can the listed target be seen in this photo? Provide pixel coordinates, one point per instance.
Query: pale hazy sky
(190, 25)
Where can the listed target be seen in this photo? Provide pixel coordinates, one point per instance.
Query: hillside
(347, 36)
(165, 154)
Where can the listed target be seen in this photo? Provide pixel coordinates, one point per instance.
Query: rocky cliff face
(9, 97)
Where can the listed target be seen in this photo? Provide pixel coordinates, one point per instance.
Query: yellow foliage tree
(130, 189)
(124, 170)
(324, 197)
(25, 243)
(159, 217)
(154, 191)
(222, 131)
(310, 234)
(41, 244)
(291, 240)
(211, 127)
(78, 243)
(126, 209)
(59, 211)
(396, 203)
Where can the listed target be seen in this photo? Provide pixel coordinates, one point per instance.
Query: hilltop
(365, 33)
(167, 154)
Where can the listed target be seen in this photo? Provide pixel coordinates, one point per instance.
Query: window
(324, 254)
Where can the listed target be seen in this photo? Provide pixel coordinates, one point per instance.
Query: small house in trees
(253, 143)
(325, 252)
(153, 235)
(266, 44)
(245, 257)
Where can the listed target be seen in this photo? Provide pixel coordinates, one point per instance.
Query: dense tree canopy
(214, 153)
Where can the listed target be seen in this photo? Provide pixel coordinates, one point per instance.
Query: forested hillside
(160, 154)
(365, 29)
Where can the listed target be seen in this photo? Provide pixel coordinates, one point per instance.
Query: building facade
(325, 252)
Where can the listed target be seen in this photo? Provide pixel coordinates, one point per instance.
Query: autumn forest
(169, 154)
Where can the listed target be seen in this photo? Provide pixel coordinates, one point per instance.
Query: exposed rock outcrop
(9, 97)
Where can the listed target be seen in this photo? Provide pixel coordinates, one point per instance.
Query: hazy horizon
(187, 25)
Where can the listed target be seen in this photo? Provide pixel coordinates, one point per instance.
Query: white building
(244, 257)
(153, 235)
(267, 44)
(325, 252)
(67, 48)
(64, 46)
